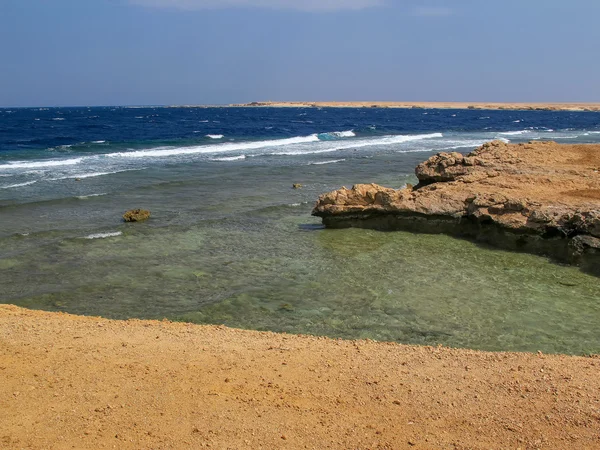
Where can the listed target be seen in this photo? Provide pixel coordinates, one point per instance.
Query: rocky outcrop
(136, 215)
(540, 197)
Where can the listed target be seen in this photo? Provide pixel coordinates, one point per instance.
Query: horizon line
(325, 103)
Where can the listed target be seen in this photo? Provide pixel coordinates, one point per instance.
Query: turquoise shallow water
(282, 272)
(231, 242)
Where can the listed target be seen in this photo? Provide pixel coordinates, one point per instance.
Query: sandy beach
(436, 105)
(85, 382)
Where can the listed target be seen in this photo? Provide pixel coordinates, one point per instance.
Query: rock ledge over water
(539, 197)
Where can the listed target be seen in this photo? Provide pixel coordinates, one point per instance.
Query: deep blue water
(45, 129)
(231, 242)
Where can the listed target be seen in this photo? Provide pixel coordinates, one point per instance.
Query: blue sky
(134, 52)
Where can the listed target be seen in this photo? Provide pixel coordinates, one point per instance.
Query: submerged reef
(538, 197)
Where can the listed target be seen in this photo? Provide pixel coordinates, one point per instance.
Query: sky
(165, 52)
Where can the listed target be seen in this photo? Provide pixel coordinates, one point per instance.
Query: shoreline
(515, 106)
(90, 382)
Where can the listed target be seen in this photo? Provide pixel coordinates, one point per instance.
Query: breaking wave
(218, 148)
(35, 164)
(380, 141)
(103, 235)
(92, 174)
(320, 163)
(514, 133)
(84, 197)
(229, 158)
(336, 135)
(18, 185)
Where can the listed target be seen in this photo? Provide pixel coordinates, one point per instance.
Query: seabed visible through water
(230, 242)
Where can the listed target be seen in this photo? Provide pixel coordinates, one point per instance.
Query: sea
(230, 241)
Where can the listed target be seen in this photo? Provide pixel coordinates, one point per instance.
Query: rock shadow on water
(311, 227)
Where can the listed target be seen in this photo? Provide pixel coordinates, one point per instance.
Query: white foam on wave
(103, 235)
(84, 197)
(92, 174)
(594, 132)
(343, 134)
(302, 152)
(34, 164)
(58, 118)
(514, 133)
(332, 135)
(381, 141)
(229, 158)
(320, 163)
(389, 140)
(18, 185)
(219, 148)
(215, 136)
(98, 142)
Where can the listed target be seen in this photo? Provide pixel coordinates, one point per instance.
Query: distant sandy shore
(83, 382)
(439, 105)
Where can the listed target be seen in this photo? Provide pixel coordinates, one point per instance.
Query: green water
(276, 269)
(231, 242)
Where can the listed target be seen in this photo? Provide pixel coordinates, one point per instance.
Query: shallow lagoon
(288, 274)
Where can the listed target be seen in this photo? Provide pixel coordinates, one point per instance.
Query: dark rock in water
(286, 307)
(538, 197)
(296, 185)
(136, 215)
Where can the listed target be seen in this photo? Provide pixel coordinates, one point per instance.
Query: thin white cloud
(301, 5)
(432, 11)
